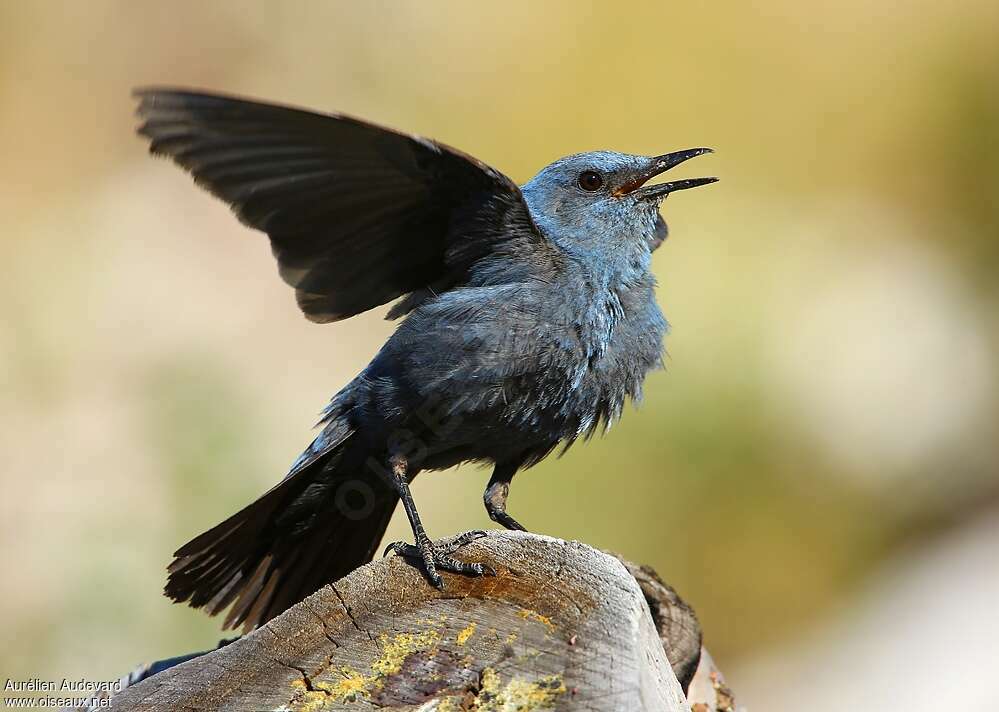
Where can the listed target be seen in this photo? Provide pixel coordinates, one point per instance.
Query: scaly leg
(433, 557)
(496, 493)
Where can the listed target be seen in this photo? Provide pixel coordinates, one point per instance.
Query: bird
(527, 319)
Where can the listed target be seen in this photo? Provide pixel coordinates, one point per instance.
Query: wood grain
(561, 627)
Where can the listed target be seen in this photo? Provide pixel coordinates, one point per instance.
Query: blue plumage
(528, 315)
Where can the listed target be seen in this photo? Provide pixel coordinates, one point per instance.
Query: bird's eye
(591, 181)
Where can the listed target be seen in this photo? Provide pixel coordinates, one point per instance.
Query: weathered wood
(676, 622)
(561, 627)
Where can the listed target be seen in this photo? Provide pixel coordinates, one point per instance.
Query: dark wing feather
(357, 214)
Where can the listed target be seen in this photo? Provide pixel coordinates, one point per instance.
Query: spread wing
(357, 214)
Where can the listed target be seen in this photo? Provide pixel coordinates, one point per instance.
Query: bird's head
(602, 198)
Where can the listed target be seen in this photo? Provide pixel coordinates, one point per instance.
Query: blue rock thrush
(528, 319)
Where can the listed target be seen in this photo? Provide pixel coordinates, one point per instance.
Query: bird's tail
(320, 523)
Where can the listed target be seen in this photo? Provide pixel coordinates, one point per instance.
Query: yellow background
(829, 405)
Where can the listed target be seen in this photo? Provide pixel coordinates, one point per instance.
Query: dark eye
(591, 181)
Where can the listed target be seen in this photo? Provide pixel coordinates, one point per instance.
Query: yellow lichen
(448, 704)
(529, 615)
(313, 702)
(397, 649)
(465, 634)
(349, 688)
(490, 682)
(354, 685)
(540, 695)
(517, 695)
(510, 638)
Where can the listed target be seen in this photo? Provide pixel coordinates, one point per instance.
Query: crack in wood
(562, 626)
(350, 613)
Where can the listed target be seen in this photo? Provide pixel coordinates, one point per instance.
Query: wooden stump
(561, 627)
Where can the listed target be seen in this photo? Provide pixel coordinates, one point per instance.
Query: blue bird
(528, 319)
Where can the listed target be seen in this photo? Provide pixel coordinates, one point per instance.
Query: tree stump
(561, 626)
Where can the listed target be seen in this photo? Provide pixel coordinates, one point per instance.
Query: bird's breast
(598, 361)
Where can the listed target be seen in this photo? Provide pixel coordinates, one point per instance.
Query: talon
(438, 557)
(507, 522)
(480, 569)
(463, 539)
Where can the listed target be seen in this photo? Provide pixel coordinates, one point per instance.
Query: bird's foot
(495, 498)
(438, 556)
(505, 520)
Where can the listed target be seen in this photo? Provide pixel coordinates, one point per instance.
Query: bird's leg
(496, 493)
(433, 557)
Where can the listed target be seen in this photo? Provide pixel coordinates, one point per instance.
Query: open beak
(661, 164)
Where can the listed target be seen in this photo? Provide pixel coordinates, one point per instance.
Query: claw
(439, 557)
(463, 539)
(506, 521)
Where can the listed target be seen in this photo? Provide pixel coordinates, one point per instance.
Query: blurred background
(815, 470)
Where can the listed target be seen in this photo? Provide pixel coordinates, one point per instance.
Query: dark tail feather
(316, 526)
